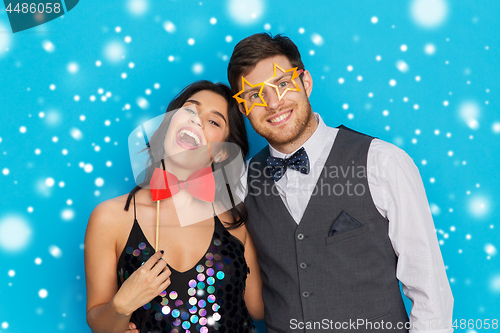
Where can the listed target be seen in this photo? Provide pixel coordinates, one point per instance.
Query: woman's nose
(195, 120)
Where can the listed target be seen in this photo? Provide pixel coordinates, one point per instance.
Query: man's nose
(272, 99)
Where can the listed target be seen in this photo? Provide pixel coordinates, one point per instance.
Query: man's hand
(131, 328)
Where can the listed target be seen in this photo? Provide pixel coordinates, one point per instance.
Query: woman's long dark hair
(237, 135)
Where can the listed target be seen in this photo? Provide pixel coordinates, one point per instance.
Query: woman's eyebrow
(213, 111)
(219, 114)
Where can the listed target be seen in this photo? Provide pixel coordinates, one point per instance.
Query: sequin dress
(206, 298)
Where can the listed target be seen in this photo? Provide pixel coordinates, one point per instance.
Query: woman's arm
(253, 290)
(108, 308)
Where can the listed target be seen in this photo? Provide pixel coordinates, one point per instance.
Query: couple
(330, 247)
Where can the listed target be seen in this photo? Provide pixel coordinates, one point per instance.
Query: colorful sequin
(207, 298)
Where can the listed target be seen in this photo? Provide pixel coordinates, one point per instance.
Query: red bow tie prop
(200, 184)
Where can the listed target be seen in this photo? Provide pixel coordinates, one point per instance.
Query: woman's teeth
(191, 134)
(280, 118)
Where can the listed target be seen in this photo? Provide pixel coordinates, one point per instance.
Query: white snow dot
(38, 261)
(67, 214)
(5, 325)
(301, 30)
(341, 80)
(30, 209)
(404, 48)
(392, 83)
(490, 249)
(424, 162)
(470, 112)
(76, 98)
(170, 27)
(131, 65)
(15, 233)
(191, 41)
(88, 168)
(65, 152)
(49, 182)
(405, 99)
(171, 58)
(137, 7)
(72, 67)
(468, 236)
(109, 163)
(385, 113)
(416, 106)
(22, 129)
(402, 66)
(5, 171)
(76, 133)
(417, 78)
(432, 180)
(429, 13)
(213, 20)
(360, 78)
(128, 39)
(229, 38)
(479, 206)
(198, 68)
(142, 103)
(430, 49)
(98, 63)
(55, 251)
(317, 39)
(496, 127)
(350, 116)
(48, 46)
(374, 19)
(118, 29)
(311, 52)
(43, 293)
(267, 26)
(450, 153)
(446, 103)
(350, 68)
(370, 95)
(12, 273)
(378, 58)
(124, 75)
(52, 87)
(245, 12)
(345, 106)
(37, 151)
(114, 51)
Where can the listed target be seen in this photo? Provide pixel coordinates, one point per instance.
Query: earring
(217, 159)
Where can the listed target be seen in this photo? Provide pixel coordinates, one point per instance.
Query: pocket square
(343, 223)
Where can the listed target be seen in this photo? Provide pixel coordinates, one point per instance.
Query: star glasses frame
(295, 74)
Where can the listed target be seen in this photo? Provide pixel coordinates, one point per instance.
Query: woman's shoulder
(112, 211)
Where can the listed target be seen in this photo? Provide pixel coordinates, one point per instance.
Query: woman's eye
(213, 123)
(190, 111)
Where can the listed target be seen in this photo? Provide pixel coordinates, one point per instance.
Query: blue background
(60, 155)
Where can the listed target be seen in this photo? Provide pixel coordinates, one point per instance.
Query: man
(338, 217)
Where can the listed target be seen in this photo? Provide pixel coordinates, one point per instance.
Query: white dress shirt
(399, 195)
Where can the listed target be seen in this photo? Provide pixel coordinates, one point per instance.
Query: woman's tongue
(188, 140)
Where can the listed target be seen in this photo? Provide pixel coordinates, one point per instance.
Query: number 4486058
(34, 8)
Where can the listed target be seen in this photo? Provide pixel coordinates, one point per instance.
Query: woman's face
(197, 125)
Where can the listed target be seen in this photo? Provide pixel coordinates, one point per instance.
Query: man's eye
(253, 96)
(283, 84)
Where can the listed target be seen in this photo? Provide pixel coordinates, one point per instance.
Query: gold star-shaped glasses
(282, 85)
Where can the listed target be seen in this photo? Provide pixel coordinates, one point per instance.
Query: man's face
(283, 121)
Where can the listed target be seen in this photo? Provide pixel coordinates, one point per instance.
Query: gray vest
(313, 282)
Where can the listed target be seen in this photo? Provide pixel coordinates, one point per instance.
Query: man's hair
(249, 51)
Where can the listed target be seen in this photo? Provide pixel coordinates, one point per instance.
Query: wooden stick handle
(157, 223)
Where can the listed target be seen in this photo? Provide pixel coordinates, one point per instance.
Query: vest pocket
(346, 235)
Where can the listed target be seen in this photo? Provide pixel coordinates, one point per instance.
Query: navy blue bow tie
(298, 161)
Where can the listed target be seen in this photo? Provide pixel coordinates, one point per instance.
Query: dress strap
(135, 216)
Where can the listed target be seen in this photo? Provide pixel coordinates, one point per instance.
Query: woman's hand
(147, 282)
(132, 328)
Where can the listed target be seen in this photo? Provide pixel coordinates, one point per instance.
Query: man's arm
(398, 193)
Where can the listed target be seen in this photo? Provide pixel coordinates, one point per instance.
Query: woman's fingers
(164, 285)
(159, 267)
(153, 260)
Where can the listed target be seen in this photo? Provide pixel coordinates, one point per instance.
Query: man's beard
(301, 118)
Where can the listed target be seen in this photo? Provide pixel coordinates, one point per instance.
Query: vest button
(303, 265)
(300, 236)
(305, 294)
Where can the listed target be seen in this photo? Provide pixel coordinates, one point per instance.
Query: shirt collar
(313, 146)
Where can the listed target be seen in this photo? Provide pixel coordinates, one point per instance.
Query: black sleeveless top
(206, 298)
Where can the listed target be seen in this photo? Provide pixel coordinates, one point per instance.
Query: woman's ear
(221, 156)
(308, 82)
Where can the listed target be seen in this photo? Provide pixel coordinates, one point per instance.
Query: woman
(172, 289)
